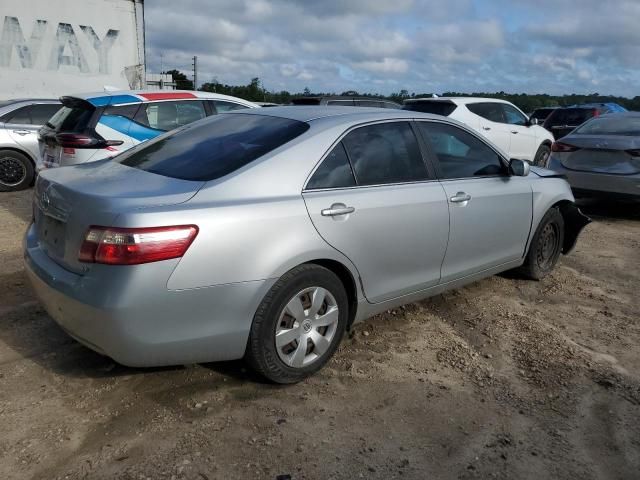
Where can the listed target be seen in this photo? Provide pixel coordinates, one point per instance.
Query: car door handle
(514, 132)
(22, 132)
(460, 197)
(336, 210)
(486, 128)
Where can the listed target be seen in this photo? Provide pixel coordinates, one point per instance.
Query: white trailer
(52, 48)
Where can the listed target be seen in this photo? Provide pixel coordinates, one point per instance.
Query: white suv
(501, 122)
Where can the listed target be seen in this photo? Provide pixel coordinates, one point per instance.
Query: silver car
(602, 156)
(265, 234)
(19, 124)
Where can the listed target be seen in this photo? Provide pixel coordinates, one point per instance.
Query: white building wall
(52, 48)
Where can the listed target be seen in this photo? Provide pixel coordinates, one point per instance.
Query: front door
(523, 138)
(490, 212)
(372, 199)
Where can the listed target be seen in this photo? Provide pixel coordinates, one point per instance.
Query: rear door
(23, 124)
(373, 199)
(523, 139)
(490, 212)
(492, 124)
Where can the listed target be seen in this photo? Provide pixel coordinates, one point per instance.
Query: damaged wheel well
(574, 222)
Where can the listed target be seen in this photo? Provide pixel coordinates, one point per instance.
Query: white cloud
(422, 45)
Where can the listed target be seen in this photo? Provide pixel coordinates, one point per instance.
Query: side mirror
(532, 121)
(518, 168)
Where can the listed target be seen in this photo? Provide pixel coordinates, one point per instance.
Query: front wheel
(299, 324)
(546, 246)
(542, 156)
(16, 171)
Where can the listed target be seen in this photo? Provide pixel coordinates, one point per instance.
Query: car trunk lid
(615, 155)
(69, 200)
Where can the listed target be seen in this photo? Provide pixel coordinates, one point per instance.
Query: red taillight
(74, 140)
(133, 246)
(562, 147)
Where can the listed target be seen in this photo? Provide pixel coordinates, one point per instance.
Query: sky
(383, 46)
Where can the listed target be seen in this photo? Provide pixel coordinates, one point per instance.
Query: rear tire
(308, 332)
(16, 171)
(542, 156)
(546, 246)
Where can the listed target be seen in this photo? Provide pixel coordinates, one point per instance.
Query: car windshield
(214, 147)
(611, 126)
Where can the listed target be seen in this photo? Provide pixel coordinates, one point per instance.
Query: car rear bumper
(134, 319)
(627, 185)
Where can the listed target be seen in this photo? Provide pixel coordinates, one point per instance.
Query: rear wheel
(298, 325)
(16, 171)
(545, 247)
(542, 156)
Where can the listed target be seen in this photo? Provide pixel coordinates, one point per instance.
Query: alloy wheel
(12, 171)
(306, 327)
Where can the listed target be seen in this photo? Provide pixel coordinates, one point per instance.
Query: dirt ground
(505, 378)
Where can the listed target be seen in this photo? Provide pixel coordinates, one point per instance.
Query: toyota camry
(267, 233)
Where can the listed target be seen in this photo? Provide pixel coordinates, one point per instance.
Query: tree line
(527, 102)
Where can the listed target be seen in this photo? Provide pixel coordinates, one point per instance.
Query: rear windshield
(570, 116)
(214, 147)
(69, 119)
(611, 126)
(437, 108)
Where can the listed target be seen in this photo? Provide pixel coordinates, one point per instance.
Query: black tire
(16, 171)
(262, 354)
(546, 246)
(542, 156)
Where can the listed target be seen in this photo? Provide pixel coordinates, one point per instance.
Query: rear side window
(369, 103)
(489, 110)
(167, 116)
(306, 101)
(343, 103)
(213, 148)
(460, 154)
(222, 106)
(436, 108)
(126, 111)
(19, 116)
(385, 153)
(334, 172)
(42, 112)
(71, 119)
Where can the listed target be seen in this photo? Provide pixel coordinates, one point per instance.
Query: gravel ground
(505, 378)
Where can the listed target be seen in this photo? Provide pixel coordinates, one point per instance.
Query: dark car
(602, 157)
(541, 114)
(345, 101)
(563, 121)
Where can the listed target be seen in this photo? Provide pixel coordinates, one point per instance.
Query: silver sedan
(265, 234)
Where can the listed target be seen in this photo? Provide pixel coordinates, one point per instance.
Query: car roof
(456, 100)
(120, 97)
(620, 114)
(342, 97)
(310, 113)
